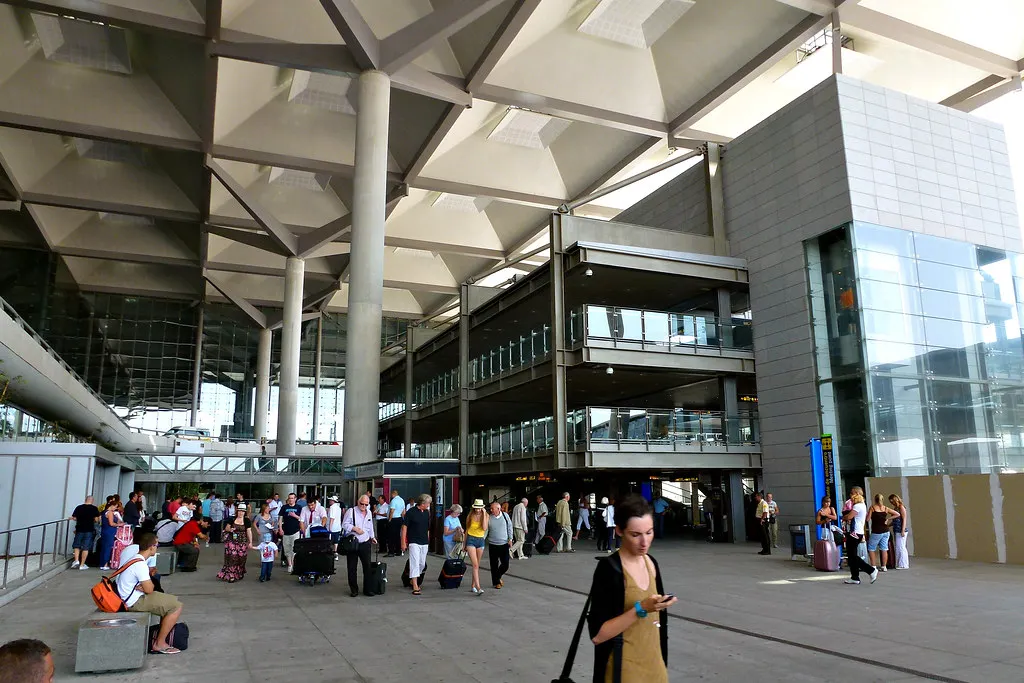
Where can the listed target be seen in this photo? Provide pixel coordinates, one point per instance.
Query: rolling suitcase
(377, 580)
(452, 572)
(528, 549)
(314, 556)
(546, 545)
(406, 581)
(826, 556)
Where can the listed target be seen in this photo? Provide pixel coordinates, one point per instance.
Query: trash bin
(800, 540)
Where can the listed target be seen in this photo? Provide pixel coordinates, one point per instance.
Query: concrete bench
(113, 641)
(166, 561)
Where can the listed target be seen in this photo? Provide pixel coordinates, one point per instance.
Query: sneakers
(874, 575)
(82, 568)
(289, 570)
(852, 582)
(884, 569)
(105, 568)
(473, 590)
(75, 564)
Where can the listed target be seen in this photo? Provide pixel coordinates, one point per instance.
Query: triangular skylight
(287, 177)
(526, 128)
(84, 43)
(326, 91)
(102, 150)
(461, 203)
(125, 219)
(638, 23)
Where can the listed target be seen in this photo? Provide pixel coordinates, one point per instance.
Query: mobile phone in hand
(667, 597)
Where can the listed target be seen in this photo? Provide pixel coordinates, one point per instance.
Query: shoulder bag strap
(570, 658)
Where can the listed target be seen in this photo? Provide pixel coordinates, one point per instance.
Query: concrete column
(263, 352)
(731, 408)
(716, 201)
(724, 313)
(316, 375)
(410, 387)
(558, 347)
(464, 376)
(737, 520)
(291, 336)
(366, 273)
(197, 369)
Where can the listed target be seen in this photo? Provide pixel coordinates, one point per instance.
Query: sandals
(167, 651)
(417, 592)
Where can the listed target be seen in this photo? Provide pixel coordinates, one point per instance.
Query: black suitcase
(406, 581)
(451, 573)
(376, 582)
(313, 556)
(546, 545)
(317, 546)
(528, 549)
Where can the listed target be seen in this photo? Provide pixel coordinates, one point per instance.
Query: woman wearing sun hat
(476, 532)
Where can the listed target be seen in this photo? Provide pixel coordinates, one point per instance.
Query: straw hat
(478, 504)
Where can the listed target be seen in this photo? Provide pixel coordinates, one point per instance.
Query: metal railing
(440, 450)
(658, 328)
(386, 411)
(528, 349)
(213, 464)
(636, 428)
(30, 549)
(437, 388)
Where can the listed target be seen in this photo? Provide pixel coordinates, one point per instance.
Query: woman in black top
(628, 623)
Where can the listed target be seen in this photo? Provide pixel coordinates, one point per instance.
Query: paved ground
(740, 617)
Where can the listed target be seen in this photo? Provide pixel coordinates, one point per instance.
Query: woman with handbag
(628, 623)
(900, 528)
(856, 515)
(454, 534)
(826, 519)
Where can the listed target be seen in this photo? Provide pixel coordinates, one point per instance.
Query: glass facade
(138, 353)
(924, 350)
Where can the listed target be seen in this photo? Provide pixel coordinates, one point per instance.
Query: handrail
(58, 546)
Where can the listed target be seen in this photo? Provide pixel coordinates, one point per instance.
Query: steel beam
(972, 90)
(511, 196)
(405, 45)
(930, 41)
(503, 38)
(419, 81)
(253, 239)
(255, 314)
(358, 35)
(764, 60)
(571, 110)
(324, 235)
(281, 235)
(317, 57)
(991, 95)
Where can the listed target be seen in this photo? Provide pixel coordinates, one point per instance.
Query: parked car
(189, 433)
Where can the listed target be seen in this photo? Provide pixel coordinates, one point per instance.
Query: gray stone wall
(923, 167)
(785, 181)
(680, 205)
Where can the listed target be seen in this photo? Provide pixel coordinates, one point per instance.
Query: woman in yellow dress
(476, 532)
(628, 623)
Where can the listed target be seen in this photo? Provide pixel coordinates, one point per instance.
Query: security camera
(588, 272)
(609, 371)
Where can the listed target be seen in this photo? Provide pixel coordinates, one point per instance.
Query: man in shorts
(85, 516)
(139, 595)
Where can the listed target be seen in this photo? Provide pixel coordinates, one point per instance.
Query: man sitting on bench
(136, 589)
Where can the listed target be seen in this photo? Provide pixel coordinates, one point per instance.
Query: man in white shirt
(396, 513)
(380, 516)
(313, 515)
(139, 595)
(359, 523)
(274, 507)
(542, 518)
(334, 523)
(519, 526)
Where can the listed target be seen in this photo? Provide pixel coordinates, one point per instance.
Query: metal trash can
(800, 541)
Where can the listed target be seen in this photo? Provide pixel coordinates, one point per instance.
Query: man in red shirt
(186, 542)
